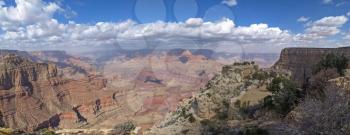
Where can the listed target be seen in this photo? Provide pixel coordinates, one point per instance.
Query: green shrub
(268, 102)
(316, 85)
(339, 62)
(124, 128)
(247, 83)
(285, 95)
(222, 115)
(209, 95)
(238, 104)
(222, 112)
(46, 132)
(254, 130)
(246, 110)
(210, 127)
(327, 116)
(244, 63)
(260, 75)
(191, 118)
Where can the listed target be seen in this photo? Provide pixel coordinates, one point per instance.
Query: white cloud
(327, 1)
(303, 19)
(331, 21)
(31, 23)
(230, 3)
(26, 12)
(326, 26)
(104, 33)
(194, 21)
(348, 14)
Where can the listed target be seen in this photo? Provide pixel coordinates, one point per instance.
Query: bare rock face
(38, 95)
(299, 61)
(33, 96)
(21, 105)
(16, 72)
(70, 66)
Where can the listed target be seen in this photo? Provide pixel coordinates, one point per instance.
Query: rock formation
(33, 96)
(299, 61)
(16, 72)
(52, 89)
(216, 101)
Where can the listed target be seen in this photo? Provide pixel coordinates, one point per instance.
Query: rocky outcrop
(16, 71)
(299, 61)
(33, 96)
(342, 82)
(215, 102)
(70, 66)
(20, 98)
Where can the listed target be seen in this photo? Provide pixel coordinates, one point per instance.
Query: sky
(224, 25)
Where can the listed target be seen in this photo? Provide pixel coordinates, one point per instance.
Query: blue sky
(281, 13)
(255, 24)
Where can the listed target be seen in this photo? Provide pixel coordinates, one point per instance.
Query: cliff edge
(299, 61)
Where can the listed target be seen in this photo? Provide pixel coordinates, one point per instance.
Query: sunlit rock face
(33, 96)
(17, 71)
(21, 102)
(37, 92)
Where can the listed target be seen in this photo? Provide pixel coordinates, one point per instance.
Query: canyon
(158, 91)
(235, 100)
(57, 90)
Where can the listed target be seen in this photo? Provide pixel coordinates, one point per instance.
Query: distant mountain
(263, 59)
(72, 66)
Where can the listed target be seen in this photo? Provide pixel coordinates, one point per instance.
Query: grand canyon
(52, 89)
(78, 94)
(174, 67)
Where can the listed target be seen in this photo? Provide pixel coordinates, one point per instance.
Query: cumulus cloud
(230, 3)
(326, 26)
(194, 21)
(31, 23)
(26, 12)
(303, 19)
(214, 33)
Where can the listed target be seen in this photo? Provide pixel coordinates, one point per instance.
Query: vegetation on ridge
(339, 62)
(285, 95)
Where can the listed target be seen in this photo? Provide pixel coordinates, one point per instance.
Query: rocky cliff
(299, 61)
(71, 66)
(16, 72)
(216, 106)
(20, 101)
(33, 96)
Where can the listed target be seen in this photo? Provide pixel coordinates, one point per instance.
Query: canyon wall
(16, 71)
(33, 96)
(299, 61)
